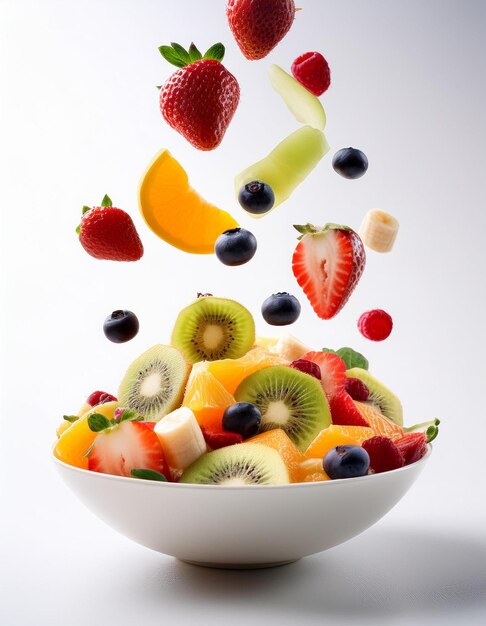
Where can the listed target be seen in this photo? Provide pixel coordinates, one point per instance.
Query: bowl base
(238, 565)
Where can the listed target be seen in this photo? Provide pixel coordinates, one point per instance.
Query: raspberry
(412, 446)
(221, 439)
(308, 367)
(375, 325)
(100, 397)
(312, 71)
(344, 411)
(357, 389)
(384, 454)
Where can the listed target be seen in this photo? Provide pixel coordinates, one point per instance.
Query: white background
(80, 118)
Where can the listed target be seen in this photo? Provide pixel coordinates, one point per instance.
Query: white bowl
(240, 527)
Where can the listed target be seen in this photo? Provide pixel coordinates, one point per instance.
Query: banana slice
(289, 347)
(181, 438)
(379, 230)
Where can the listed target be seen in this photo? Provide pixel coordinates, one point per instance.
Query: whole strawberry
(200, 99)
(328, 263)
(259, 25)
(109, 233)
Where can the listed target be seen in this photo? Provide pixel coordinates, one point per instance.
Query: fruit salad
(221, 406)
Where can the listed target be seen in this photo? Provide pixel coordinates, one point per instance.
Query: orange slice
(281, 442)
(380, 424)
(176, 212)
(206, 397)
(337, 436)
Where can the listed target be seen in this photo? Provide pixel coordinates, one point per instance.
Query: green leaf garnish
(147, 474)
(171, 56)
(353, 358)
(70, 418)
(106, 201)
(98, 422)
(216, 52)
(194, 54)
(430, 428)
(129, 414)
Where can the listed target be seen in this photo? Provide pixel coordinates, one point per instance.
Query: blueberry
(120, 326)
(235, 246)
(346, 462)
(350, 163)
(256, 197)
(281, 309)
(243, 418)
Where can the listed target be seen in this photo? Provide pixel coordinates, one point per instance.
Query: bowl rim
(171, 485)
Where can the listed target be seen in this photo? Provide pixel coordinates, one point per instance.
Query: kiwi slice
(240, 464)
(214, 328)
(287, 399)
(383, 398)
(154, 383)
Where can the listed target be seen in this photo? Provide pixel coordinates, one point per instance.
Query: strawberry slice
(344, 411)
(126, 446)
(384, 454)
(333, 370)
(328, 263)
(220, 439)
(413, 446)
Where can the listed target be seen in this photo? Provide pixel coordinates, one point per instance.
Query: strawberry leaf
(171, 56)
(106, 201)
(181, 52)
(85, 209)
(147, 474)
(216, 52)
(70, 418)
(194, 54)
(98, 422)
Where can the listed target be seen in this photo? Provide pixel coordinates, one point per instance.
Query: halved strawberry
(126, 446)
(220, 439)
(328, 263)
(333, 370)
(384, 454)
(344, 411)
(412, 446)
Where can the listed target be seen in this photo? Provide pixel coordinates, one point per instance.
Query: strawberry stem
(106, 201)
(180, 57)
(430, 428)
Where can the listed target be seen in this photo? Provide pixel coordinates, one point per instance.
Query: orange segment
(206, 397)
(75, 441)
(380, 424)
(281, 442)
(175, 211)
(311, 471)
(337, 436)
(230, 372)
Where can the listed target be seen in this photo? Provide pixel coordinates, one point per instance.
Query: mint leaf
(194, 54)
(98, 422)
(147, 474)
(106, 201)
(353, 358)
(171, 56)
(215, 52)
(70, 418)
(128, 414)
(329, 350)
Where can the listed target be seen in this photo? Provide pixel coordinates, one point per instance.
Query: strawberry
(120, 448)
(333, 370)
(100, 397)
(344, 411)
(109, 233)
(328, 263)
(220, 439)
(384, 454)
(259, 25)
(312, 71)
(200, 99)
(413, 446)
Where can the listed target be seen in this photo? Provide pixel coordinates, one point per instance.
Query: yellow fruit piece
(311, 471)
(337, 436)
(380, 424)
(63, 426)
(206, 397)
(230, 372)
(280, 441)
(75, 441)
(266, 342)
(176, 212)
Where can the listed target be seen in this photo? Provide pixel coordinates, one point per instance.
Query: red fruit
(384, 454)
(328, 263)
(344, 411)
(100, 397)
(258, 25)
(130, 445)
(412, 446)
(221, 439)
(375, 325)
(357, 389)
(308, 367)
(312, 71)
(333, 370)
(200, 99)
(109, 233)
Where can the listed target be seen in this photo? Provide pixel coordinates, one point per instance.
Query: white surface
(79, 118)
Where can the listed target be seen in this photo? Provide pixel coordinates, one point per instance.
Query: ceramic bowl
(240, 526)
